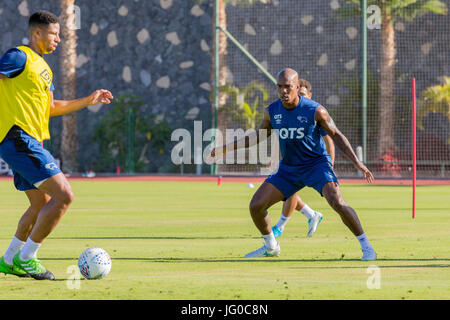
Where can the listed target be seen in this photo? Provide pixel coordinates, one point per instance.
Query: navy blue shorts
(27, 158)
(290, 179)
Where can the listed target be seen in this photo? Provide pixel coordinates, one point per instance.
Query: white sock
(282, 222)
(307, 211)
(364, 242)
(13, 248)
(270, 240)
(29, 250)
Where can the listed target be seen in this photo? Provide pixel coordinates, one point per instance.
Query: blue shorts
(290, 179)
(27, 158)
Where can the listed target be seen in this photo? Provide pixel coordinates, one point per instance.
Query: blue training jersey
(299, 136)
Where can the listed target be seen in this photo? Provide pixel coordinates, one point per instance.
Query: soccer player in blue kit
(304, 162)
(295, 202)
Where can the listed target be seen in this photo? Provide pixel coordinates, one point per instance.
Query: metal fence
(325, 42)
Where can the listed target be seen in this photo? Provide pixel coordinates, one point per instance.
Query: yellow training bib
(25, 100)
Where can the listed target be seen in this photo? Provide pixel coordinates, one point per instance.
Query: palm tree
(222, 53)
(67, 62)
(435, 99)
(391, 10)
(245, 106)
(223, 44)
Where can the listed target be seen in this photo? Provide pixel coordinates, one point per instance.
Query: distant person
(26, 104)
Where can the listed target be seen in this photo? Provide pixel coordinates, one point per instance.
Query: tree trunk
(221, 114)
(222, 62)
(223, 50)
(387, 85)
(67, 62)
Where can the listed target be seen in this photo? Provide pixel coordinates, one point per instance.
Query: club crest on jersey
(302, 119)
(46, 76)
(277, 118)
(51, 166)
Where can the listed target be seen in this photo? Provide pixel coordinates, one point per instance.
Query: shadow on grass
(151, 238)
(277, 260)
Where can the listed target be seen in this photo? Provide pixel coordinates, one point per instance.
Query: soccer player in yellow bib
(26, 104)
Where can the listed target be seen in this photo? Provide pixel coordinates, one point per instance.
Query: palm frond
(435, 99)
(346, 12)
(410, 9)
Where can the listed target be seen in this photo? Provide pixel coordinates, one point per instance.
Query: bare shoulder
(325, 121)
(321, 113)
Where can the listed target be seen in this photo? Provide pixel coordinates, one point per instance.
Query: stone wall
(156, 49)
(325, 49)
(161, 51)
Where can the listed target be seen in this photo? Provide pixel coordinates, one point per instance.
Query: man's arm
(327, 123)
(2, 76)
(60, 107)
(264, 127)
(330, 147)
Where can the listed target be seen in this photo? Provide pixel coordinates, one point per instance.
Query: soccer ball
(94, 263)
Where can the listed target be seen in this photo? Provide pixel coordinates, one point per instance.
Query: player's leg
(314, 217)
(304, 208)
(37, 200)
(299, 204)
(61, 196)
(33, 166)
(37, 168)
(332, 193)
(296, 203)
(286, 213)
(266, 196)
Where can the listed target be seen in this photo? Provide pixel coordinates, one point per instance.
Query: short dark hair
(305, 83)
(42, 18)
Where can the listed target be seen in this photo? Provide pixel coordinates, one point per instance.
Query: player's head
(305, 88)
(287, 86)
(44, 31)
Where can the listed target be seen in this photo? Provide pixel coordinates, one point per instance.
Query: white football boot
(264, 252)
(369, 254)
(313, 223)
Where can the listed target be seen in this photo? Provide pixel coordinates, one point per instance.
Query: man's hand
(60, 107)
(100, 96)
(366, 172)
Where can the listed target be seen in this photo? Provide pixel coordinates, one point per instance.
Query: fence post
(364, 78)
(213, 166)
(129, 161)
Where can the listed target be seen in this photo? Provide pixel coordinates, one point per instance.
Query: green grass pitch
(186, 240)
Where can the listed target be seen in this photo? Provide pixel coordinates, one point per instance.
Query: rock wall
(160, 50)
(156, 49)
